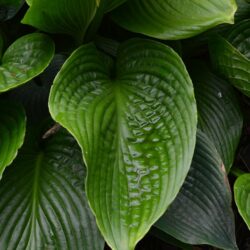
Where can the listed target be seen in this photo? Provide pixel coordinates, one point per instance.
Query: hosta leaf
(136, 126)
(220, 117)
(112, 4)
(242, 197)
(174, 19)
(201, 213)
(231, 57)
(12, 131)
(42, 200)
(8, 8)
(26, 58)
(61, 16)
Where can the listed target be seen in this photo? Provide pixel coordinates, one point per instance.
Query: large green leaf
(202, 213)
(220, 117)
(26, 58)
(231, 57)
(242, 197)
(61, 16)
(174, 19)
(136, 125)
(42, 200)
(12, 131)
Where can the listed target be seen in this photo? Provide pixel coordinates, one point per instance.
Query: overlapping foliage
(107, 132)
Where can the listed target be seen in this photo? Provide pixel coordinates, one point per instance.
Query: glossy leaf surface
(26, 58)
(231, 57)
(220, 117)
(202, 213)
(136, 125)
(42, 199)
(242, 197)
(12, 131)
(174, 19)
(61, 16)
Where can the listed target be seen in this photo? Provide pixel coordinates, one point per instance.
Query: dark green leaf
(172, 19)
(136, 126)
(201, 213)
(42, 200)
(9, 8)
(220, 117)
(26, 58)
(12, 131)
(243, 11)
(231, 57)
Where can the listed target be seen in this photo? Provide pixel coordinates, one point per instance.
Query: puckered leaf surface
(136, 125)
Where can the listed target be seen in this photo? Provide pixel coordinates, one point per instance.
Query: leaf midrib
(34, 198)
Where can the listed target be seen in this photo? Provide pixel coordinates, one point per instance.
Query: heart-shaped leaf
(231, 57)
(12, 131)
(174, 19)
(136, 126)
(220, 117)
(42, 200)
(61, 16)
(242, 197)
(202, 213)
(26, 58)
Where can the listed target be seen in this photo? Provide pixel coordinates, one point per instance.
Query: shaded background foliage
(34, 95)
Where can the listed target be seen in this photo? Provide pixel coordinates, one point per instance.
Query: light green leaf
(174, 19)
(202, 213)
(136, 126)
(12, 131)
(242, 197)
(26, 58)
(220, 117)
(61, 16)
(112, 4)
(42, 200)
(231, 57)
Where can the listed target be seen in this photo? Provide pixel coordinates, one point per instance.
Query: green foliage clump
(121, 119)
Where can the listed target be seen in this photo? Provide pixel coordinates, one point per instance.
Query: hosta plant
(123, 124)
